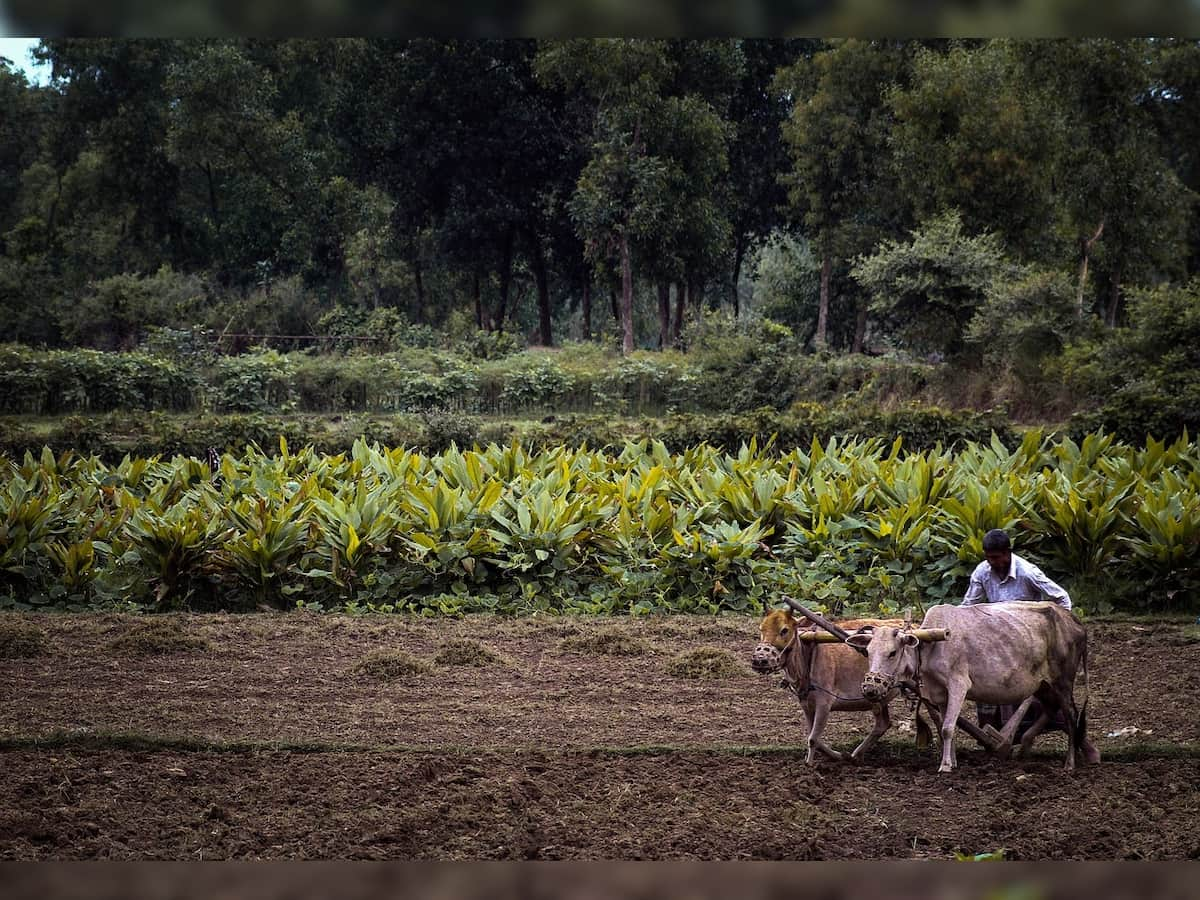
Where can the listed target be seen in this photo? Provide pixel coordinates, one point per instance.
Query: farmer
(1004, 577)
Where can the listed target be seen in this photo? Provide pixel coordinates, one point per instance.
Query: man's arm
(1052, 590)
(975, 592)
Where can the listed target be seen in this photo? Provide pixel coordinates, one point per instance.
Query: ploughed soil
(304, 736)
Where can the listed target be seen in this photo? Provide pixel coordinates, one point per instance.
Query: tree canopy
(505, 184)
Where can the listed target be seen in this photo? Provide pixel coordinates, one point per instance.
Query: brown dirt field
(261, 740)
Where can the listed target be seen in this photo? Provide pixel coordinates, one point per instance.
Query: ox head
(776, 638)
(891, 659)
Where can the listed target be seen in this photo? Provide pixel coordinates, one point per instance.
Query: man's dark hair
(996, 540)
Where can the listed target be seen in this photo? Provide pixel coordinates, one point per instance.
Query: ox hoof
(942, 769)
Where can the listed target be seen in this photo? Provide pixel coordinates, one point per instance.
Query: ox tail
(1081, 741)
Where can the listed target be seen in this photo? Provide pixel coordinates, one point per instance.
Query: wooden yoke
(924, 634)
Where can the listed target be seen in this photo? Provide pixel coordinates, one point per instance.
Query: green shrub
(58, 381)
(255, 382)
(445, 428)
(117, 312)
(1143, 379)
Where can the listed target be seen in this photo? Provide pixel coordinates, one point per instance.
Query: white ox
(1003, 653)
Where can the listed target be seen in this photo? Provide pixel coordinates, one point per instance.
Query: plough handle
(840, 633)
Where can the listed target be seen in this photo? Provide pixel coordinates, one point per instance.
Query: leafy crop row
(858, 523)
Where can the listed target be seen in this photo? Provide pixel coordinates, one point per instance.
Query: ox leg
(1071, 714)
(883, 721)
(1054, 698)
(1079, 741)
(955, 695)
(817, 715)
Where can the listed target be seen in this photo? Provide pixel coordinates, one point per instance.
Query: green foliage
(117, 312)
(1023, 320)
(252, 186)
(787, 282)
(57, 381)
(854, 524)
(974, 134)
(930, 286)
(1143, 379)
(253, 383)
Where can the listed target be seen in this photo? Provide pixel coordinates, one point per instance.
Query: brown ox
(1003, 653)
(825, 677)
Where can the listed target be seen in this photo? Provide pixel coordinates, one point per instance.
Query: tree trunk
(478, 300)
(1114, 299)
(543, 288)
(626, 297)
(664, 315)
(587, 309)
(616, 305)
(1085, 247)
(739, 251)
(860, 326)
(821, 338)
(420, 283)
(505, 281)
(212, 197)
(680, 299)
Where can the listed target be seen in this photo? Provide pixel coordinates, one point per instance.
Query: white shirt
(1024, 581)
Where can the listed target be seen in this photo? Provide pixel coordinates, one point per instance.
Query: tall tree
(1125, 206)
(973, 133)
(648, 188)
(841, 182)
(755, 197)
(1174, 101)
(108, 139)
(620, 193)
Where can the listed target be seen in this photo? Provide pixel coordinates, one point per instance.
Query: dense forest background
(1015, 218)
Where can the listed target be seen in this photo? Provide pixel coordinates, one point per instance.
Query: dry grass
(156, 637)
(605, 642)
(466, 652)
(707, 663)
(391, 664)
(21, 639)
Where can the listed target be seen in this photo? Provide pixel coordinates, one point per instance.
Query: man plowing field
(1004, 577)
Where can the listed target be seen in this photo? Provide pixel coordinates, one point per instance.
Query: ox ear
(910, 640)
(860, 640)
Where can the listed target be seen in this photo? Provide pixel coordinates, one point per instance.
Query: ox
(1003, 653)
(825, 677)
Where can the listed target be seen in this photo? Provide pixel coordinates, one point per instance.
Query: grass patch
(710, 663)
(466, 652)
(155, 638)
(21, 639)
(605, 642)
(391, 664)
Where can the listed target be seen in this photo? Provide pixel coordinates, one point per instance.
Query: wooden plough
(998, 742)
